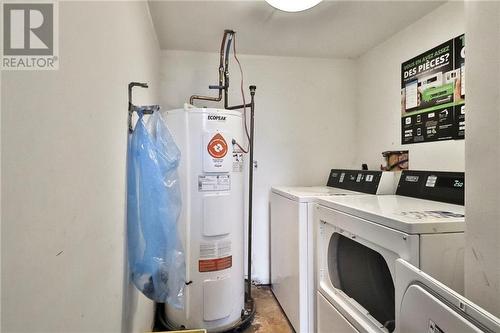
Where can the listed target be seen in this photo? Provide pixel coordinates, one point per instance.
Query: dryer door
(423, 304)
(356, 267)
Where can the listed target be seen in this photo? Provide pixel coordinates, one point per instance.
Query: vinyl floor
(269, 317)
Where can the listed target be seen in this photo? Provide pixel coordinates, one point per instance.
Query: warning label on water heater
(215, 250)
(208, 183)
(237, 162)
(212, 265)
(215, 256)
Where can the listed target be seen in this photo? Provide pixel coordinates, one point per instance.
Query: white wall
(378, 100)
(304, 123)
(482, 255)
(64, 139)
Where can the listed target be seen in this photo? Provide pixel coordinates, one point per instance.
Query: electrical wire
(239, 146)
(244, 100)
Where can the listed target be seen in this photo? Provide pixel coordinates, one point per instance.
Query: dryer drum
(363, 275)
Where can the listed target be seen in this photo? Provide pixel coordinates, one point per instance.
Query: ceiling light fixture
(293, 5)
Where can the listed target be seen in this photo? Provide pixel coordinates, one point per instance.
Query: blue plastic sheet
(155, 254)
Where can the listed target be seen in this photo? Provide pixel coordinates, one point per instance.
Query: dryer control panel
(433, 185)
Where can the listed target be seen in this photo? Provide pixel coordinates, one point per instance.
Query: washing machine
(292, 249)
(360, 238)
(423, 304)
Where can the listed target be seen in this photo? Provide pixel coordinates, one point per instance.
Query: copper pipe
(222, 74)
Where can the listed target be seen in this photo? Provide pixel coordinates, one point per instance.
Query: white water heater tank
(212, 217)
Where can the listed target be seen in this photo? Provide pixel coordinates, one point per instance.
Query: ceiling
(344, 29)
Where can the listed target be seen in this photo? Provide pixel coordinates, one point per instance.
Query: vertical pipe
(226, 66)
(220, 87)
(250, 193)
(130, 107)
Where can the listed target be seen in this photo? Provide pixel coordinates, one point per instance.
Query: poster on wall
(433, 94)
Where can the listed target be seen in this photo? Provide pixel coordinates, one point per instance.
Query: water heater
(212, 217)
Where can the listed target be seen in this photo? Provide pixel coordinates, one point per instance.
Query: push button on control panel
(431, 181)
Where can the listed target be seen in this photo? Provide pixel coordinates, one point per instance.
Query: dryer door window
(362, 274)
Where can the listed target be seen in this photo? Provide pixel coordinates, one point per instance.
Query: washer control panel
(365, 181)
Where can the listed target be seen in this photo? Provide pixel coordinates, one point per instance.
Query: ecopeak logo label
(216, 117)
(29, 32)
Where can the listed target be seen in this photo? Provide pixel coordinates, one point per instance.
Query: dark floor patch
(269, 317)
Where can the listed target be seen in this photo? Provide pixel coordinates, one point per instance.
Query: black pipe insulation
(250, 192)
(226, 69)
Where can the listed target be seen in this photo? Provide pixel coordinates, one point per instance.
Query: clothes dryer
(360, 238)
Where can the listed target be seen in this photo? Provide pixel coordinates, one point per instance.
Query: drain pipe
(250, 192)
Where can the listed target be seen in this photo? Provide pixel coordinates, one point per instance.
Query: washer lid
(410, 215)
(310, 193)
(423, 304)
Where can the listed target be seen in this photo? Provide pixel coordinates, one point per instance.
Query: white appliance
(212, 217)
(361, 237)
(431, 81)
(424, 304)
(292, 237)
(451, 76)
